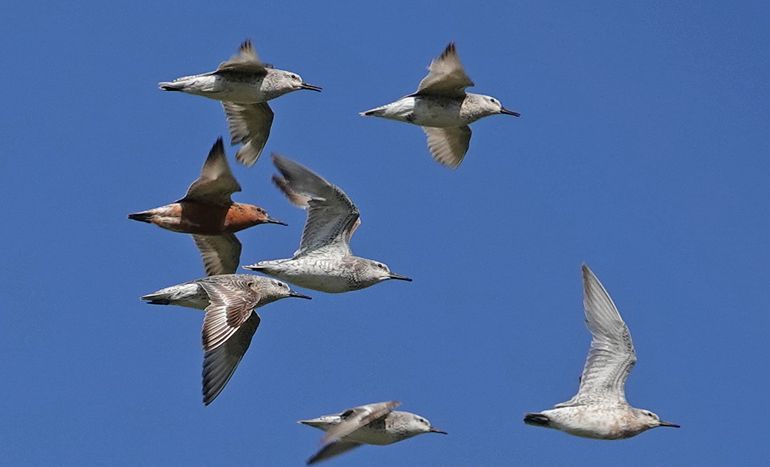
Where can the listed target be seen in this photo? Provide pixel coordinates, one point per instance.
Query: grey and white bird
(324, 260)
(376, 424)
(599, 410)
(244, 85)
(443, 109)
(230, 302)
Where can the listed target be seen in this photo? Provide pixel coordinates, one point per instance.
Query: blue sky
(642, 150)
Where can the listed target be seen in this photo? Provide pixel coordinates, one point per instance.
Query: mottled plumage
(443, 109)
(599, 409)
(324, 260)
(374, 423)
(244, 85)
(230, 302)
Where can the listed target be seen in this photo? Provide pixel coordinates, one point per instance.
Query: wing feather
(611, 356)
(332, 217)
(216, 182)
(446, 76)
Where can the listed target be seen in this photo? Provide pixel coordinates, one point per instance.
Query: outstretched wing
(249, 125)
(448, 145)
(246, 61)
(221, 253)
(446, 76)
(216, 182)
(612, 355)
(228, 327)
(332, 217)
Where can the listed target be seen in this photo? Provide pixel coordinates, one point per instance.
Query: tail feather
(157, 301)
(376, 112)
(141, 216)
(171, 86)
(536, 419)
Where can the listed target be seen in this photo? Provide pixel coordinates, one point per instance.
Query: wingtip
(217, 147)
(245, 45)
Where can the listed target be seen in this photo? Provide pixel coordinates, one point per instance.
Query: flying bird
(324, 260)
(599, 410)
(374, 423)
(230, 302)
(244, 85)
(210, 215)
(443, 109)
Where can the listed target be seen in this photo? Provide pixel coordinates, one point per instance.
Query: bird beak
(399, 277)
(293, 293)
(310, 87)
(433, 429)
(672, 425)
(505, 111)
(270, 220)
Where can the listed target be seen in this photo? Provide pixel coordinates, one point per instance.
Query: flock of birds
(325, 262)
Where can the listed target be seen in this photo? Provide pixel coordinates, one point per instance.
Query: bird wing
(221, 253)
(228, 327)
(216, 183)
(612, 355)
(249, 125)
(448, 145)
(357, 417)
(332, 217)
(446, 76)
(246, 61)
(332, 449)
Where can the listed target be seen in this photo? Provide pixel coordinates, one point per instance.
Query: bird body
(376, 424)
(194, 217)
(324, 260)
(617, 421)
(244, 85)
(437, 111)
(208, 212)
(443, 109)
(230, 321)
(333, 274)
(599, 410)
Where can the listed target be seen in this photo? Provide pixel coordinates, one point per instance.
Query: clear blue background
(642, 150)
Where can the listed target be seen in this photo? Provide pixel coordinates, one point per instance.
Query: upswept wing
(249, 125)
(246, 61)
(446, 76)
(221, 253)
(216, 182)
(332, 217)
(228, 327)
(611, 356)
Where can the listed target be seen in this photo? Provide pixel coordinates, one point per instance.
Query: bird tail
(537, 419)
(171, 86)
(376, 112)
(161, 297)
(144, 216)
(256, 266)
